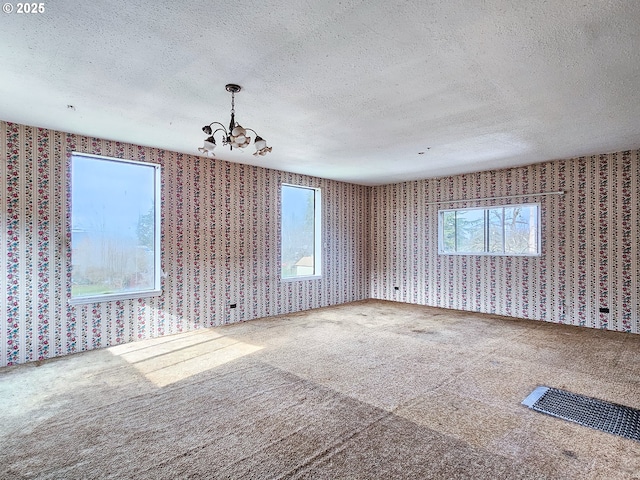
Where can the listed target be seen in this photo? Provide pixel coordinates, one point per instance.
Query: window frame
(486, 226)
(157, 261)
(317, 233)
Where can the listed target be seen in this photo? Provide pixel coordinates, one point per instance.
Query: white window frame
(157, 274)
(486, 251)
(317, 232)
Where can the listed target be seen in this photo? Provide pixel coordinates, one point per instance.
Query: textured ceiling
(349, 90)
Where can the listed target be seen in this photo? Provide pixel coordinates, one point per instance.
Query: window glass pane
(448, 231)
(298, 232)
(496, 228)
(511, 230)
(470, 230)
(521, 229)
(113, 229)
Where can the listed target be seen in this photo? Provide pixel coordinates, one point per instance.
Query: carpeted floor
(365, 390)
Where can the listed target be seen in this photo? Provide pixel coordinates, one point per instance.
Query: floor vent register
(587, 411)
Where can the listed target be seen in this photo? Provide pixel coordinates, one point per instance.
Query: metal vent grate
(587, 411)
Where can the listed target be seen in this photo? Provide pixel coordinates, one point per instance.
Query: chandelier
(236, 136)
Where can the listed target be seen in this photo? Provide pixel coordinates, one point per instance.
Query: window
(300, 232)
(115, 229)
(508, 230)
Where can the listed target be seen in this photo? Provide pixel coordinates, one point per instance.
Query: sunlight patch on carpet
(166, 361)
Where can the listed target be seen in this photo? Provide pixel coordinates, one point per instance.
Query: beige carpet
(366, 390)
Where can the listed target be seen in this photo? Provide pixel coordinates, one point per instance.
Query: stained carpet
(365, 390)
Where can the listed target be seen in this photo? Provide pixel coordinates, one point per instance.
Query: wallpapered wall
(590, 244)
(220, 245)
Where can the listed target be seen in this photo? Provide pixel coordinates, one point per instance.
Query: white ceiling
(348, 90)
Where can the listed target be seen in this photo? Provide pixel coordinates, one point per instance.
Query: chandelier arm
(251, 130)
(218, 123)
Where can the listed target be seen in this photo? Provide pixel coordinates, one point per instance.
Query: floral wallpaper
(590, 244)
(220, 245)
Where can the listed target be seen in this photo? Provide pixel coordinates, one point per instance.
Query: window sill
(295, 279)
(115, 297)
(490, 254)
